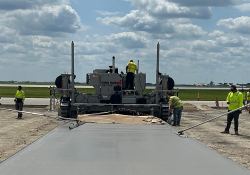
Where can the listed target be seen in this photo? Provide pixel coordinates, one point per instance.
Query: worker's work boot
(225, 132)
(20, 116)
(236, 133)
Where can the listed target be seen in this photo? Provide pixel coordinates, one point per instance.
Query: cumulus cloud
(14, 48)
(28, 4)
(207, 46)
(188, 31)
(162, 19)
(140, 21)
(243, 7)
(130, 40)
(106, 13)
(220, 3)
(45, 21)
(39, 17)
(240, 24)
(165, 9)
(216, 33)
(232, 41)
(7, 35)
(88, 49)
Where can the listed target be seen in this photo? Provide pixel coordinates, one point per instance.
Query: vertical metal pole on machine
(54, 99)
(72, 73)
(113, 65)
(50, 101)
(157, 73)
(137, 71)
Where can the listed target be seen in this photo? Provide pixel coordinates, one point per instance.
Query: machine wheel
(165, 113)
(65, 113)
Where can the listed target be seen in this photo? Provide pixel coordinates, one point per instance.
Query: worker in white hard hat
(130, 70)
(235, 101)
(19, 100)
(176, 105)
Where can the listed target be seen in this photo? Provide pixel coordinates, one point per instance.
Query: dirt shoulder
(16, 134)
(235, 147)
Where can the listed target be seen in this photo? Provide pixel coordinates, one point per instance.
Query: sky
(200, 40)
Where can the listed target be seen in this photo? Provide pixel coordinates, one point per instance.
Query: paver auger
(111, 94)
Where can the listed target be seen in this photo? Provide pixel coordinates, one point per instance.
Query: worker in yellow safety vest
(19, 100)
(130, 70)
(235, 100)
(176, 105)
(248, 99)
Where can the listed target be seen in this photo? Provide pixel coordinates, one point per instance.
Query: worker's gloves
(15, 100)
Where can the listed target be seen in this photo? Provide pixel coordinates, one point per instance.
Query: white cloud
(207, 46)
(38, 17)
(28, 4)
(216, 33)
(172, 28)
(188, 31)
(130, 40)
(232, 41)
(14, 48)
(220, 3)
(165, 9)
(243, 7)
(7, 35)
(138, 21)
(48, 20)
(240, 24)
(106, 13)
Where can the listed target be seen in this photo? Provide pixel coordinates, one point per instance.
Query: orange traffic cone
(217, 102)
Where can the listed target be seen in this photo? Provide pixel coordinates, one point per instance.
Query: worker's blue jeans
(177, 115)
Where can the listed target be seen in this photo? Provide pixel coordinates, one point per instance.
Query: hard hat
(233, 87)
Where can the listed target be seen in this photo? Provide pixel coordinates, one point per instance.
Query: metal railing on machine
(55, 97)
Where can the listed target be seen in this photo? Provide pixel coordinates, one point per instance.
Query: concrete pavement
(107, 149)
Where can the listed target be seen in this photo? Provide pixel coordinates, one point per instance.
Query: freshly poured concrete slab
(110, 149)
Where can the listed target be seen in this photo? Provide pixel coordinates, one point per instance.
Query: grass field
(52, 84)
(42, 92)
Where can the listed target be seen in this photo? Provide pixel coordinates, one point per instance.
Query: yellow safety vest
(20, 95)
(248, 96)
(175, 101)
(131, 67)
(235, 100)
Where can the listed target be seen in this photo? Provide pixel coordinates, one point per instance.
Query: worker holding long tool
(19, 100)
(176, 105)
(248, 99)
(235, 100)
(130, 70)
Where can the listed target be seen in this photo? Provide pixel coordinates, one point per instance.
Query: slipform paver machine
(111, 94)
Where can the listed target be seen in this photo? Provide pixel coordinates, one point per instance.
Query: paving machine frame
(111, 93)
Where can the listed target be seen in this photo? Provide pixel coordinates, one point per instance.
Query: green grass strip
(43, 92)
